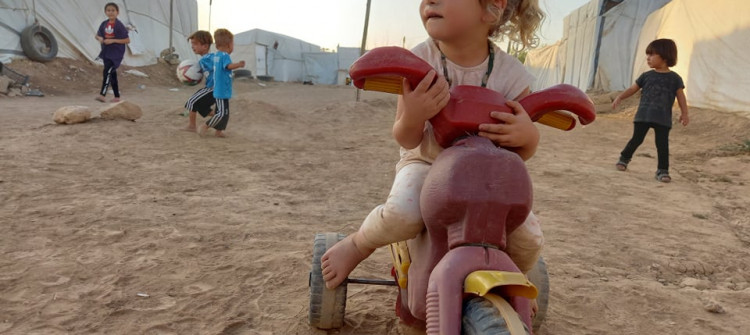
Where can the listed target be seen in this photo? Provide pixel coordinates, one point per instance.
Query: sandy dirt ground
(119, 227)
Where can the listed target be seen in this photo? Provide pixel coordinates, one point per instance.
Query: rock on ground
(122, 110)
(72, 114)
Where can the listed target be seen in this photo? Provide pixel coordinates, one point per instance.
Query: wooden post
(364, 36)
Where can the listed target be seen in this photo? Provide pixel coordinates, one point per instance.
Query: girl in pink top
(461, 53)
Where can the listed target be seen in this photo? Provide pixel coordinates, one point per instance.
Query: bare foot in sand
(339, 261)
(220, 133)
(190, 129)
(203, 131)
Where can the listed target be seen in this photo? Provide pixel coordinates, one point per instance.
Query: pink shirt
(508, 77)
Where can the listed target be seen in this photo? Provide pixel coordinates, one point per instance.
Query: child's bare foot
(190, 129)
(341, 259)
(100, 98)
(204, 129)
(220, 133)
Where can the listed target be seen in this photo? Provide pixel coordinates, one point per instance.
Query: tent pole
(364, 36)
(210, 4)
(171, 2)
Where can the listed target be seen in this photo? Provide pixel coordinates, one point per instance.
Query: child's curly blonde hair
(524, 18)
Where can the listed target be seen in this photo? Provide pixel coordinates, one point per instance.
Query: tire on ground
(540, 278)
(38, 43)
(242, 73)
(327, 307)
(481, 317)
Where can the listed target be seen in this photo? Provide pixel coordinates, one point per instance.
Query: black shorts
(201, 101)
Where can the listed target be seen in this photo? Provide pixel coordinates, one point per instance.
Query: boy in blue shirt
(202, 100)
(222, 73)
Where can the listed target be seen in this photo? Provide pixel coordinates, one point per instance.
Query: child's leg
(525, 243)
(661, 135)
(639, 133)
(200, 102)
(106, 79)
(220, 119)
(398, 220)
(113, 80)
(192, 119)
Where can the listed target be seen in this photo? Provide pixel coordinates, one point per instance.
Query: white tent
(271, 54)
(604, 48)
(73, 23)
(288, 59)
(329, 68)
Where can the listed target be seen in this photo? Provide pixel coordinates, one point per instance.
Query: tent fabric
(619, 44)
(563, 62)
(289, 59)
(321, 67)
(581, 30)
(547, 66)
(713, 42)
(283, 54)
(711, 38)
(74, 23)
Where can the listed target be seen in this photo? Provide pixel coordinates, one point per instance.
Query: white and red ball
(189, 72)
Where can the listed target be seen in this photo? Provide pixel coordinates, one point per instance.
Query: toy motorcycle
(455, 276)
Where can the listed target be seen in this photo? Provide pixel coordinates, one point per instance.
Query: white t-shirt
(509, 77)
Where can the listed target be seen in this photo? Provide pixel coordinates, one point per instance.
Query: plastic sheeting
(713, 43)
(330, 68)
(74, 23)
(283, 54)
(712, 38)
(619, 43)
(570, 60)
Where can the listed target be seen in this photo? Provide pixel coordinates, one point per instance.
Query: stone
(5, 84)
(72, 114)
(122, 110)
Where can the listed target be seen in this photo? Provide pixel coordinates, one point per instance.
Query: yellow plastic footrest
(558, 119)
(401, 262)
(514, 283)
(387, 84)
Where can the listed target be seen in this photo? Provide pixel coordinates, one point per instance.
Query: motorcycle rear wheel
(327, 307)
(540, 278)
(481, 317)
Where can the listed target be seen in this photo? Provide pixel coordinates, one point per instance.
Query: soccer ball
(189, 72)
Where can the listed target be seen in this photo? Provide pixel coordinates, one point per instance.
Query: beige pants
(400, 219)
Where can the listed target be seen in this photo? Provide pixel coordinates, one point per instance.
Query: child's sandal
(663, 176)
(621, 166)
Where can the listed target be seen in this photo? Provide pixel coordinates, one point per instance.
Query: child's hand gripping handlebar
(382, 69)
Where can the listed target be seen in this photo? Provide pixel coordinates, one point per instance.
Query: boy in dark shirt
(660, 88)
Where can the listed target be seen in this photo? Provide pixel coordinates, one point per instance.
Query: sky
(333, 23)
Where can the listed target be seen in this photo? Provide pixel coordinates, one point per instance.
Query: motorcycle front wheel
(481, 317)
(327, 307)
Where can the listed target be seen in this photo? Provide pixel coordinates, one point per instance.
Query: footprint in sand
(691, 267)
(89, 258)
(11, 275)
(5, 325)
(54, 280)
(154, 303)
(197, 288)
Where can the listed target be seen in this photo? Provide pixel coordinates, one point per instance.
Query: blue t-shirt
(658, 92)
(222, 76)
(207, 67)
(113, 30)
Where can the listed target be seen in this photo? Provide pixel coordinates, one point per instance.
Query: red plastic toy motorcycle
(455, 277)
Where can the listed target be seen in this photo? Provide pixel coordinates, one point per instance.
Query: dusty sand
(218, 232)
